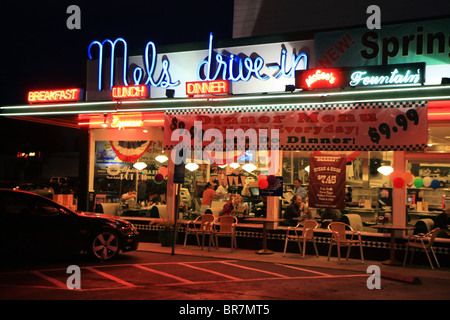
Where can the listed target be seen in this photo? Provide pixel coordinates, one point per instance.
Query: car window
(15, 203)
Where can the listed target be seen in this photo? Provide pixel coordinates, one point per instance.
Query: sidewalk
(409, 273)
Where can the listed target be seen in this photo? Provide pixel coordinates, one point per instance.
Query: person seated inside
(330, 214)
(443, 221)
(260, 209)
(128, 199)
(293, 210)
(232, 207)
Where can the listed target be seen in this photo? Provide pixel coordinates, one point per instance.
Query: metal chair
(303, 232)
(224, 226)
(339, 238)
(201, 225)
(422, 241)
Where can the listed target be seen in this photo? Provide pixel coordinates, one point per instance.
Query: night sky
(40, 52)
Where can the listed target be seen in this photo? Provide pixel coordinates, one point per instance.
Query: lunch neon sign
(54, 95)
(129, 92)
(207, 87)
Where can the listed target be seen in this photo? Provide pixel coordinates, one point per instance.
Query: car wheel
(106, 245)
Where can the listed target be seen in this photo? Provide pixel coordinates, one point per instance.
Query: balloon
(163, 171)
(262, 176)
(263, 184)
(394, 175)
(159, 178)
(408, 177)
(271, 180)
(435, 184)
(427, 181)
(418, 183)
(398, 182)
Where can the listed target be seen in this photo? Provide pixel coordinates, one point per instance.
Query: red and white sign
(352, 127)
(129, 92)
(319, 79)
(60, 95)
(327, 181)
(207, 87)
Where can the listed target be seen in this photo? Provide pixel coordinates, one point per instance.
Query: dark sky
(39, 51)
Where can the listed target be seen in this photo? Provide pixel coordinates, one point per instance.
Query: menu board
(327, 181)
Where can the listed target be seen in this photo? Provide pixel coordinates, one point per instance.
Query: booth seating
(353, 220)
(158, 211)
(108, 208)
(424, 226)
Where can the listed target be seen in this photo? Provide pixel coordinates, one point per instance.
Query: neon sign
(123, 122)
(318, 76)
(363, 78)
(164, 79)
(54, 95)
(130, 92)
(398, 74)
(207, 87)
(235, 68)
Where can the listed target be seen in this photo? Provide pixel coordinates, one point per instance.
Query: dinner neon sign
(207, 87)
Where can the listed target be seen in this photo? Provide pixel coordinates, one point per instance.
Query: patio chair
(224, 226)
(340, 239)
(425, 242)
(201, 225)
(302, 233)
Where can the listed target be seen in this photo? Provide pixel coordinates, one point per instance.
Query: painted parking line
(258, 270)
(302, 269)
(210, 271)
(56, 282)
(111, 277)
(165, 274)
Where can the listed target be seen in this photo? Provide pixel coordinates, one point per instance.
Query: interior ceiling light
(192, 166)
(385, 170)
(234, 165)
(140, 165)
(161, 158)
(249, 167)
(307, 169)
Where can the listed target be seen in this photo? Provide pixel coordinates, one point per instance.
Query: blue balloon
(435, 184)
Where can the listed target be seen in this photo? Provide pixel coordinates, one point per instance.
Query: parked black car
(37, 225)
(37, 188)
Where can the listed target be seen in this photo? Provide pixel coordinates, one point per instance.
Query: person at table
(293, 210)
(232, 206)
(221, 192)
(260, 209)
(331, 214)
(128, 199)
(299, 190)
(443, 221)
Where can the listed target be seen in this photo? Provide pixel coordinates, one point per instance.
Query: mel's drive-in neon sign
(389, 75)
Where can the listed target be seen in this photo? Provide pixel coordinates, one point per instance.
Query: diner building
(360, 117)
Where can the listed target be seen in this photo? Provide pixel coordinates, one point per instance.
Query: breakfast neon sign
(60, 95)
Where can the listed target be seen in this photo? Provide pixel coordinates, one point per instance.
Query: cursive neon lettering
(319, 75)
(361, 78)
(164, 79)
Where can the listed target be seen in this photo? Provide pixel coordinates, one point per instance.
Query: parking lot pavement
(409, 273)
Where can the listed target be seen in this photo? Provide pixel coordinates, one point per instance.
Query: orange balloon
(408, 177)
(394, 175)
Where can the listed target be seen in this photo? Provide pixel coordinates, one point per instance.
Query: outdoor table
(265, 221)
(392, 261)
